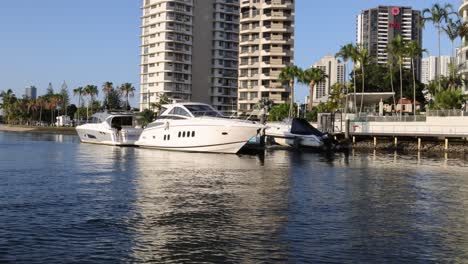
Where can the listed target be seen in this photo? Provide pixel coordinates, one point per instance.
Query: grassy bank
(38, 129)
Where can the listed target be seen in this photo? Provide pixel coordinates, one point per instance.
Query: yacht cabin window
(179, 111)
(202, 110)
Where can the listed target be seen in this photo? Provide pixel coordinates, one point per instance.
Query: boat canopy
(301, 126)
(188, 110)
(202, 110)
(99, 117)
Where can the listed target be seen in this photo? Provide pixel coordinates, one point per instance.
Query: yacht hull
(281, 134)
(228, 148)
(126, 137)
(196, 137)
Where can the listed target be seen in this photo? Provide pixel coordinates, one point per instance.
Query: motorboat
(296, 132)
(197, 127)
(111, 128)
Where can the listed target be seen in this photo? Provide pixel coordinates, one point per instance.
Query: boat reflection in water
(207, 207)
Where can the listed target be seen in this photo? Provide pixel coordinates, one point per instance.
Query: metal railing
(441, 113)
(405, 118)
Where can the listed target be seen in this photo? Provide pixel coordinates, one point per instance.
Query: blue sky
(93, 41)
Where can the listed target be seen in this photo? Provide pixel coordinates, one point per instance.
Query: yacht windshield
(202, 110)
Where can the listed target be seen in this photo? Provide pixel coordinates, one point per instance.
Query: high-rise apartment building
(266, 47)
(335, 70)
(190, 51)
(462, 56)
(430, 68)
(30, 92)
(377, 27)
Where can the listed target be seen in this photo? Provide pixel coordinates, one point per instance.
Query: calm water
(64, 202)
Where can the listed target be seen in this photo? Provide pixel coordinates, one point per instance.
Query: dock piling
(396, 142)
(375, 142)
(419, 144)
(446, 144)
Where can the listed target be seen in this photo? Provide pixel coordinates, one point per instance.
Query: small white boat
(111, 128)
(295, 132)
(197, 127)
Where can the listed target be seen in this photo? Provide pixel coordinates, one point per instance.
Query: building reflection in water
(415, 198)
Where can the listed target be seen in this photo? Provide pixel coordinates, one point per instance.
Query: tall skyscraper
(377, 27)
(266, 47)
(30, 92)
(335, 70)
(190, 51)
(463, 51)
(430, 68)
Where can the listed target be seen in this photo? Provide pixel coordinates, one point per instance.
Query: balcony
(279, 3)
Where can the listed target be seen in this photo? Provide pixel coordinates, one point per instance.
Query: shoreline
(34, 129)
(406, 146)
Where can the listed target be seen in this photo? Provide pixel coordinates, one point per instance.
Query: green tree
(8, 100)
(346, 53)
(147, 116)
(113, 100)
(451, 30)
(438, 14)
(53, 102)
(72, 110)
(414, 50)
(311, 77)
(65, 97)
(448, 99)
(163, 99)
(337, 93)
(79, 92)
(280, 112)
(397, 48)
(127, 90)
(288, 75)
(107, 88)
(41, 103)
(50, 90)
(91, 91)
(364, 59)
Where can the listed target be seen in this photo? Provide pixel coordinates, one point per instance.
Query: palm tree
(414, 50)
(8, 99)
(31, 107)
(451, 30)
(91, 91)
(79, 91)
(438, 14)
(397, 48)
(288, 74)
(107, 87)
(363, 59)
(390, 63)
(54, 102)
(163, 99)
(346, 53)
(127, 90)
(41, 103)
(310, 77)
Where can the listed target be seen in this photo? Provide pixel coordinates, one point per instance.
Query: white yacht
(111, 128)
(197, 127)
(295, 132)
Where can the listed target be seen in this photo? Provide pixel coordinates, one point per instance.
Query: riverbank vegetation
(43, 110)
